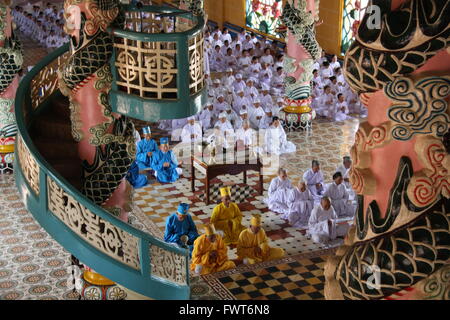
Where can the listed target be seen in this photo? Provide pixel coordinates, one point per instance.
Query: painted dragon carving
(400, 245)
(11, 60)
(106, 141)
(303, 49)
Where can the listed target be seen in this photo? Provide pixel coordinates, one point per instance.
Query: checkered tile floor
(298, 278)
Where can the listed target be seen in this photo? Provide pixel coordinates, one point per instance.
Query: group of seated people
(160, 159)
(301, 205)
(44, 25)
(209, 251)
(332, 97)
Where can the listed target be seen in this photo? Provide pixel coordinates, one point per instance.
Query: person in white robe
(278, 107)
(224, 125)
(318, 79)
(226, 36)
(206, 117)
(326, 71)
(277, 83)
(278, 192)
(232, 116)
(334, 63)
(228, 79)
(243, 116)
(341, 113)
(344, 169)
(217, 62)
(275, 139)
(220, 105)
(339, 197)
(326, 104)
(256, 114)
(254, 69)
(250, 90)
(322, 224)
(192, 131)
(240, 100)
(244, 62)
(314, 180)
(246, 141)
(241, 36)
(177, 127)
(229, 59)
(238, 84)
(265, 97)
(267, 57)
(216, 89)
(266, 121)
(300, 204)
(248, 44)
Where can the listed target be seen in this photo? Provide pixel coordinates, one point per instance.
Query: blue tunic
(164, 174)
(143, 147)
(176, 228)
(137, 180)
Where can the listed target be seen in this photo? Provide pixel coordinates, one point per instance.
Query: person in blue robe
(180, 228)
(165, 163)
(145, 149)
(137, 180)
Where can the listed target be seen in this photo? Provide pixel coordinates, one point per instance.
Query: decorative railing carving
(168, 265)
(101, 234)
(28, 165)
(46, 81)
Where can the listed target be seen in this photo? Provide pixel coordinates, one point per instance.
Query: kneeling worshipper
(227, 217)
(322, 223)
(246, 137)
(180, 228)
(276, 140)
(134, 178)
(165, 163)
(339, 197)
(210, 253)
(145, 149)
(300, 204)
(279, 189)
(253, 244)
(314, 180)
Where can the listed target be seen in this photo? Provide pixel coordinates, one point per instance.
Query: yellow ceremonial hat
(225, 191)
(255, 221)
(210, 230)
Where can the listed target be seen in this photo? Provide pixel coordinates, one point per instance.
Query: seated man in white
(323, 225)
(314, 180)
(344, 169)
(243, 116)
(300, 205)
(256, 114)
(342, 111)
(279, 189)
(223, 123)
(232, 117)
(177, 127)
(206, 116)
(191, 135)
(338, 195)
(246, 139)
(276, 140)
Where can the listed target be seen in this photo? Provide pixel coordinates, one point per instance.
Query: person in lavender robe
(339, 197)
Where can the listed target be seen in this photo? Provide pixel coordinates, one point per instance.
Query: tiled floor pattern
(292, 278)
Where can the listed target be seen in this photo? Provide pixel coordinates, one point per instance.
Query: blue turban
(146, 130)
(164, 141)
(183, 208)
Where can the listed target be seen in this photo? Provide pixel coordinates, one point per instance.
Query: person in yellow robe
(253, 244)
(210, 253)
(227, 217)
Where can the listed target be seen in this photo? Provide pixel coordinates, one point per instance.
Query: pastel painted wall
(329, 32)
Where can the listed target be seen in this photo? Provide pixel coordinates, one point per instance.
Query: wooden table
(213, 170)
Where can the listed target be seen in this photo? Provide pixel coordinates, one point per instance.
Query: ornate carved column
(400, 246)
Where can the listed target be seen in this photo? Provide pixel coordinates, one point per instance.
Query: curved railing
(158, 75)
(128, 256)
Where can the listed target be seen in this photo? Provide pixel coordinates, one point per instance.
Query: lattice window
(264, 15)
(147, 69)
(196, 64)
(352, 16)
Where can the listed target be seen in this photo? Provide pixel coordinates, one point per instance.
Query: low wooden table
(213, 170)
